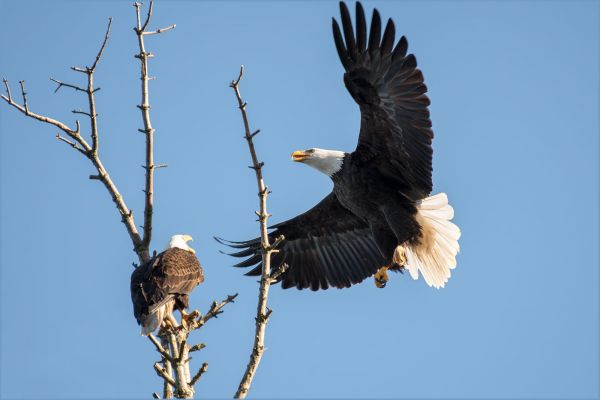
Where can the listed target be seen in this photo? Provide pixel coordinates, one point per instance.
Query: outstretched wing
(326, 246)
(395, 134)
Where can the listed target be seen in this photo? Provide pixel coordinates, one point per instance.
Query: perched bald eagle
(164, 283)
(379, 214)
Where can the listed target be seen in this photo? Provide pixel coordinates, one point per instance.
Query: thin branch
(262, 312)
(79, 69)
(73, 133)
(161, 30)
(24, 94)
(160, 348)
(72, 144)
(9, 98)
(197, 347)
(144, 107)
(162, 372)
(81, 112)
(215, 310)
(61, 84)
(280, 271)
(199, 374)
(90, 151)
(148, 16)
(106, 36)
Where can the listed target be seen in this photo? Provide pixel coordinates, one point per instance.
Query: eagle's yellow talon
(381, 277)
(187, 320)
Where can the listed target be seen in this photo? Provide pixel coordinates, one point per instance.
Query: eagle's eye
(310, 151)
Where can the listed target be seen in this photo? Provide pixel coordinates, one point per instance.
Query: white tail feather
(435, 255)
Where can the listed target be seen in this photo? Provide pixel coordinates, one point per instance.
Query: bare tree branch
(173, 347)
(161, 30)
(145, 109)
(160, 348)
(167, 365)
(90, 151)
(162, 372)
(106, 36)
(262, 312)
(201, 371)
(215, 310)
(61, 84)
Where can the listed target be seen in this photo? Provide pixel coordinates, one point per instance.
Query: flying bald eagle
(164, 283)
(379, 214)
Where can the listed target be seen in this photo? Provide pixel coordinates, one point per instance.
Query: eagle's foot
(397, 268)
(381, 277)
(187, 320)
(167, 327)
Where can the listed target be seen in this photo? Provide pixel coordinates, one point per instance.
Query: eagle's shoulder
(177, 262)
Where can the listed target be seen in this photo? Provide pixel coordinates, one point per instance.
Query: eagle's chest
(359, 193)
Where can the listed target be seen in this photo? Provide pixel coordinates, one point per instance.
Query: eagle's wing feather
(179, 273)
(325, 246)
(170, 273)
(395, 134)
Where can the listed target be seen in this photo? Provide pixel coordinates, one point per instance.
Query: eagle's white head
(180, 241)
(327, 161)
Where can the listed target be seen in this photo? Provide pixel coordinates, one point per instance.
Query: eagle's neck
(177, 242)
(327, 161)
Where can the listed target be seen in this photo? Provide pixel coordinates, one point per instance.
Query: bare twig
(24, 93)
(280, 271)
(162, 372)
(9, 98)
(71, 143)
(262, 312)
(161, 30)
(61, 84)
(163, 352)
(201, 371)
(106, 36)
(197, 347)
(215, 310)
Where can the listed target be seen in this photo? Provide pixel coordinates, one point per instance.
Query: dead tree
(267, 278)
(174, 367)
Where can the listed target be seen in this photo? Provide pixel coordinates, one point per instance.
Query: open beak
(299, 156)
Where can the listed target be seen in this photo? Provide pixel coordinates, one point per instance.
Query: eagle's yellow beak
(188, 238)
(299, 156)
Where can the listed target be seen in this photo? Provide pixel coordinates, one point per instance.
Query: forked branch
(75, 139)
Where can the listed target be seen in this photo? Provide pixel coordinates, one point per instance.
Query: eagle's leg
(381, 277)
(397, 265)
(188, 319)
(169, 323)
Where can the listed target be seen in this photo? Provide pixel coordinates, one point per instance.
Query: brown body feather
(169, 276)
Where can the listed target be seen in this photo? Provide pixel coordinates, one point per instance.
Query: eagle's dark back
(169, 276)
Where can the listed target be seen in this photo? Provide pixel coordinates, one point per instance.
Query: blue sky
(514, 90)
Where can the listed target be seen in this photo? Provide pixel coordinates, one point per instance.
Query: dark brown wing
(395, 134)
(325, 246)
(172, 272)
